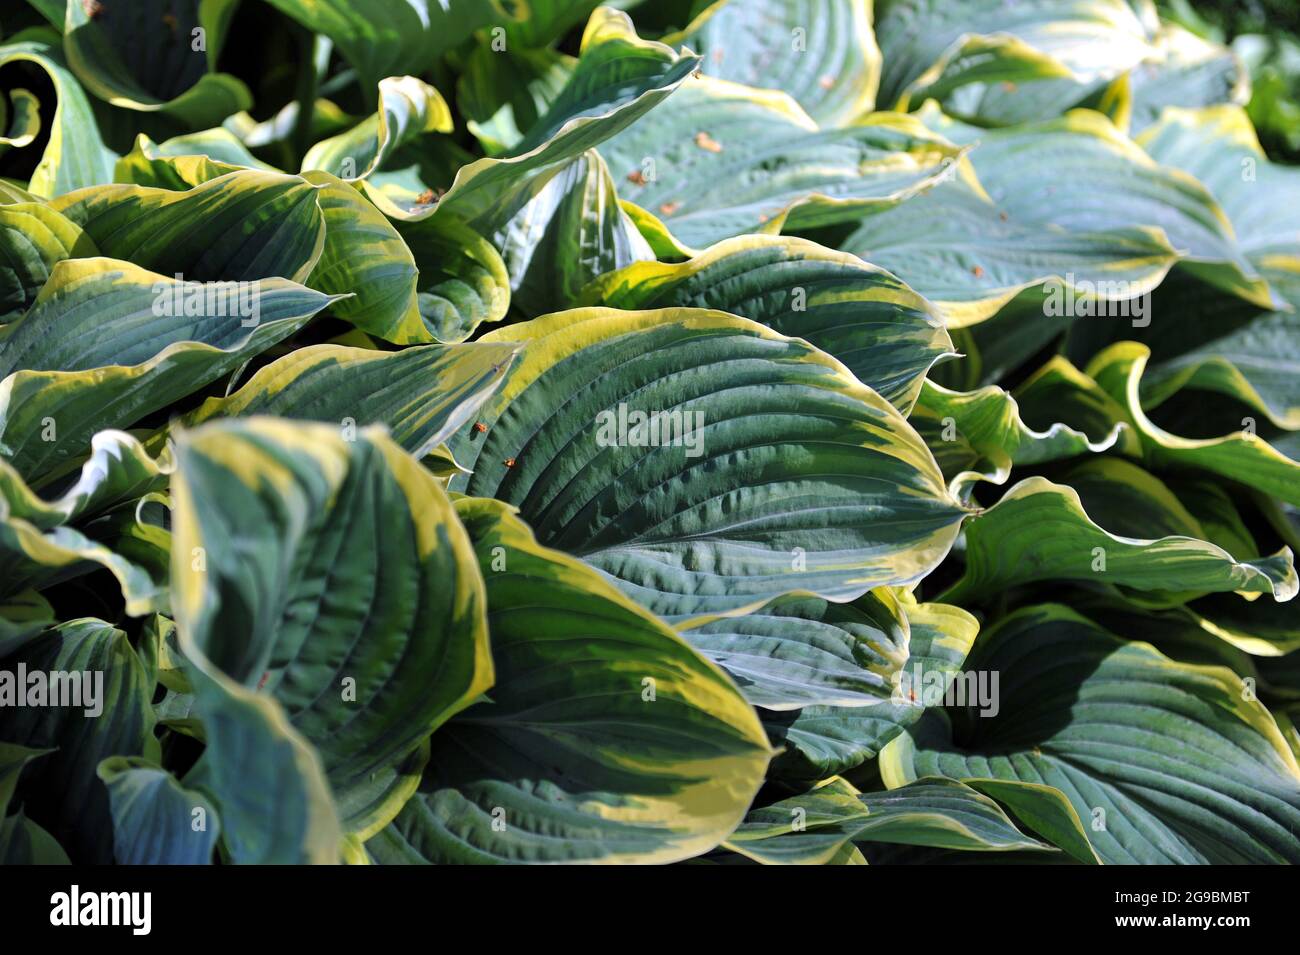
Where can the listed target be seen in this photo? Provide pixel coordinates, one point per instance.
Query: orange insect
(480, 427)
(977, 271)
(427, 198)
(668, 208)
(707, 142)
(636, 177)
(509, 462)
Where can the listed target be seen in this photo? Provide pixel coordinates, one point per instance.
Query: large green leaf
(388, 37)
(329, 570)
(1040, 531)
(970, 246)
(103, 49)
(422, 394)
(822, 52)
(811, 828)
(1242, 456)
(102, 709)
(980, 435)
(618, 78)
(1167, 762)
(768, 468)
(570, 232)
(725, 159)
(606, 738)
(842, 655)
(75, 155)
(502, 97)
(156, 821)
(107, 342)
(886, 334)
(928, 44)
(462, 281)
(1252, 358)
(33, 238)
(408, 107)
(822, 740)
(242, 226)
(267, 782)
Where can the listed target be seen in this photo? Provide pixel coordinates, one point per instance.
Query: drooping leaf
(157, 821)
(93, 703)
(605, 739)
(177, 80)
(333, 575)
(1169, 762)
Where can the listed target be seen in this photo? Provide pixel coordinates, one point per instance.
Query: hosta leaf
(821, 741)
(929, 812)
(107, 342)
(33, 238)
(979, 435)
(618, 78)
(1242, 456)
(156, 821)
(242, 226)
(886, 334)
(422, 394)
(504, 96)
(462, 281)
(102, 710)
(836, 655)
(333, 575)
(104, 51)
(118, 471)
(267, 781)
(606, 738)
(1186, 72)
(570, 232)
(1040, 531)
(1031, 218)
(32, 558)
(925, 43)
(75, 155)
(822, 52)
(774, 469)
(23, 842)
(388, 37)
(1169, 762)
(21, 120)
(364, 257)
(408, 106)
(184, 161)
(725, 159)
(22, 617)
(1249, 357)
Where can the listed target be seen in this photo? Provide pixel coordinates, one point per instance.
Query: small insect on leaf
(977, 271)
(668, 208)
(636, 177)
(826, 82)
(480, 427)
(509, 462)
(428, 197)
(707, 142)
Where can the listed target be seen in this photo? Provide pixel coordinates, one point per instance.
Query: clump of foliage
(752, 430)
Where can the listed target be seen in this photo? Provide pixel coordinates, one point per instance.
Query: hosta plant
(777, 431)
